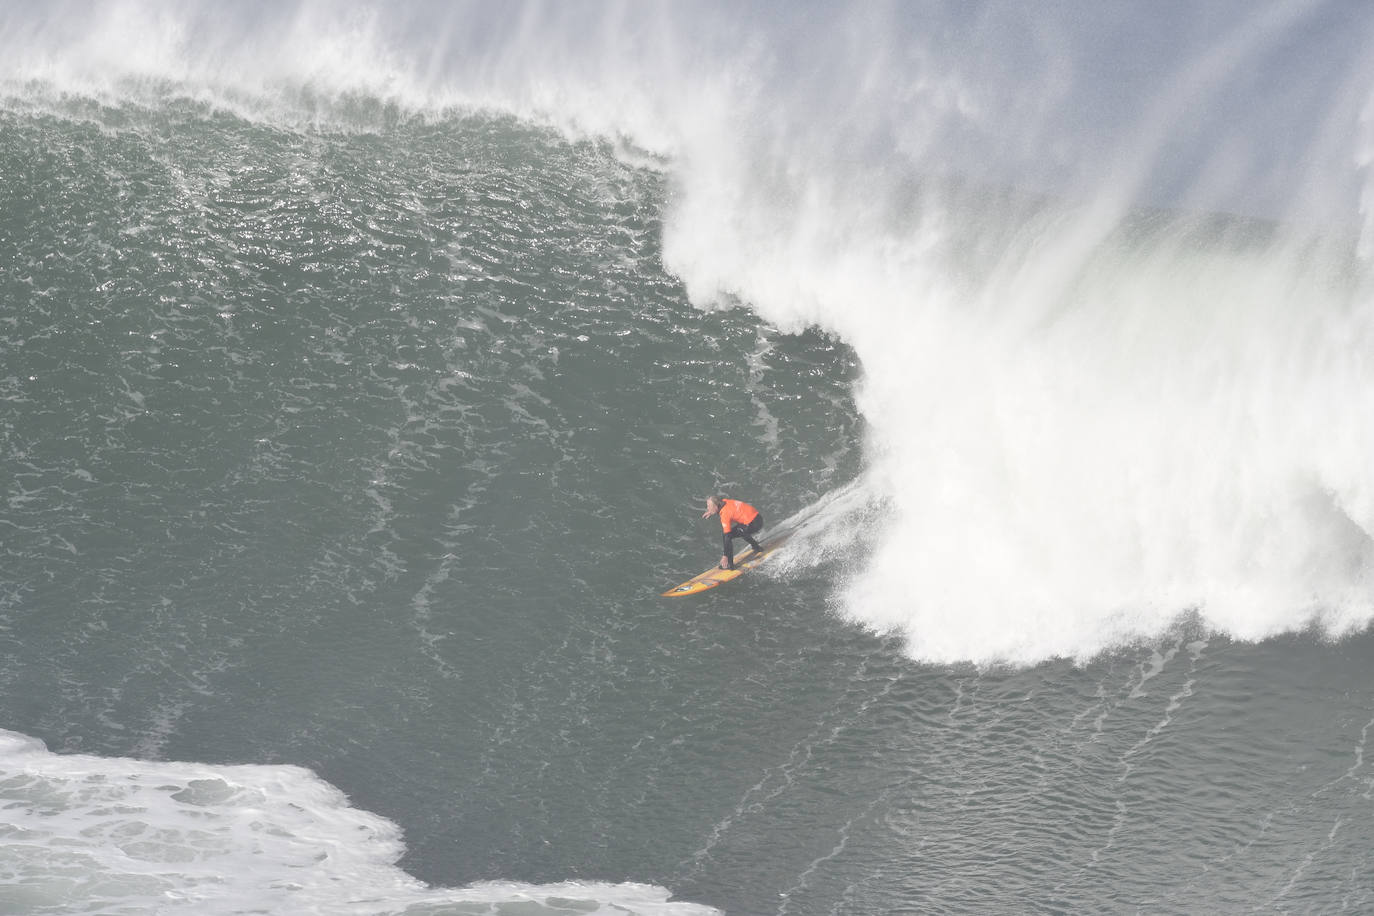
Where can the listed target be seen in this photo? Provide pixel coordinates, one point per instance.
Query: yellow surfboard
(717, 576)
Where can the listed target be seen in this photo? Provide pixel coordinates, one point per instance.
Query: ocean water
(363, 368)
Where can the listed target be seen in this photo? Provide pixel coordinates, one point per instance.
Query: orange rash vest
(733, 512)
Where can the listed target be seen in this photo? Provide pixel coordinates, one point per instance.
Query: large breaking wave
(1107, 274)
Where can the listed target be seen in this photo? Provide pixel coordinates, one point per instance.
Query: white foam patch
(86, 834)
(1085, 418)
(1068, 467)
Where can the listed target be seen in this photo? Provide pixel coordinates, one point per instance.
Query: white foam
(1084, 422)
(86, 834)
(1170, 430)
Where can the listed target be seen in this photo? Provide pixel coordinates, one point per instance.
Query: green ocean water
(368, 451)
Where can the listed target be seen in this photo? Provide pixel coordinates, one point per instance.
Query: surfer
(737, 520)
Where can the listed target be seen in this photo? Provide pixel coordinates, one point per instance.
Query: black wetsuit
(740, 530)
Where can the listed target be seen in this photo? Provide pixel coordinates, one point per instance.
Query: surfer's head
(713, 504)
